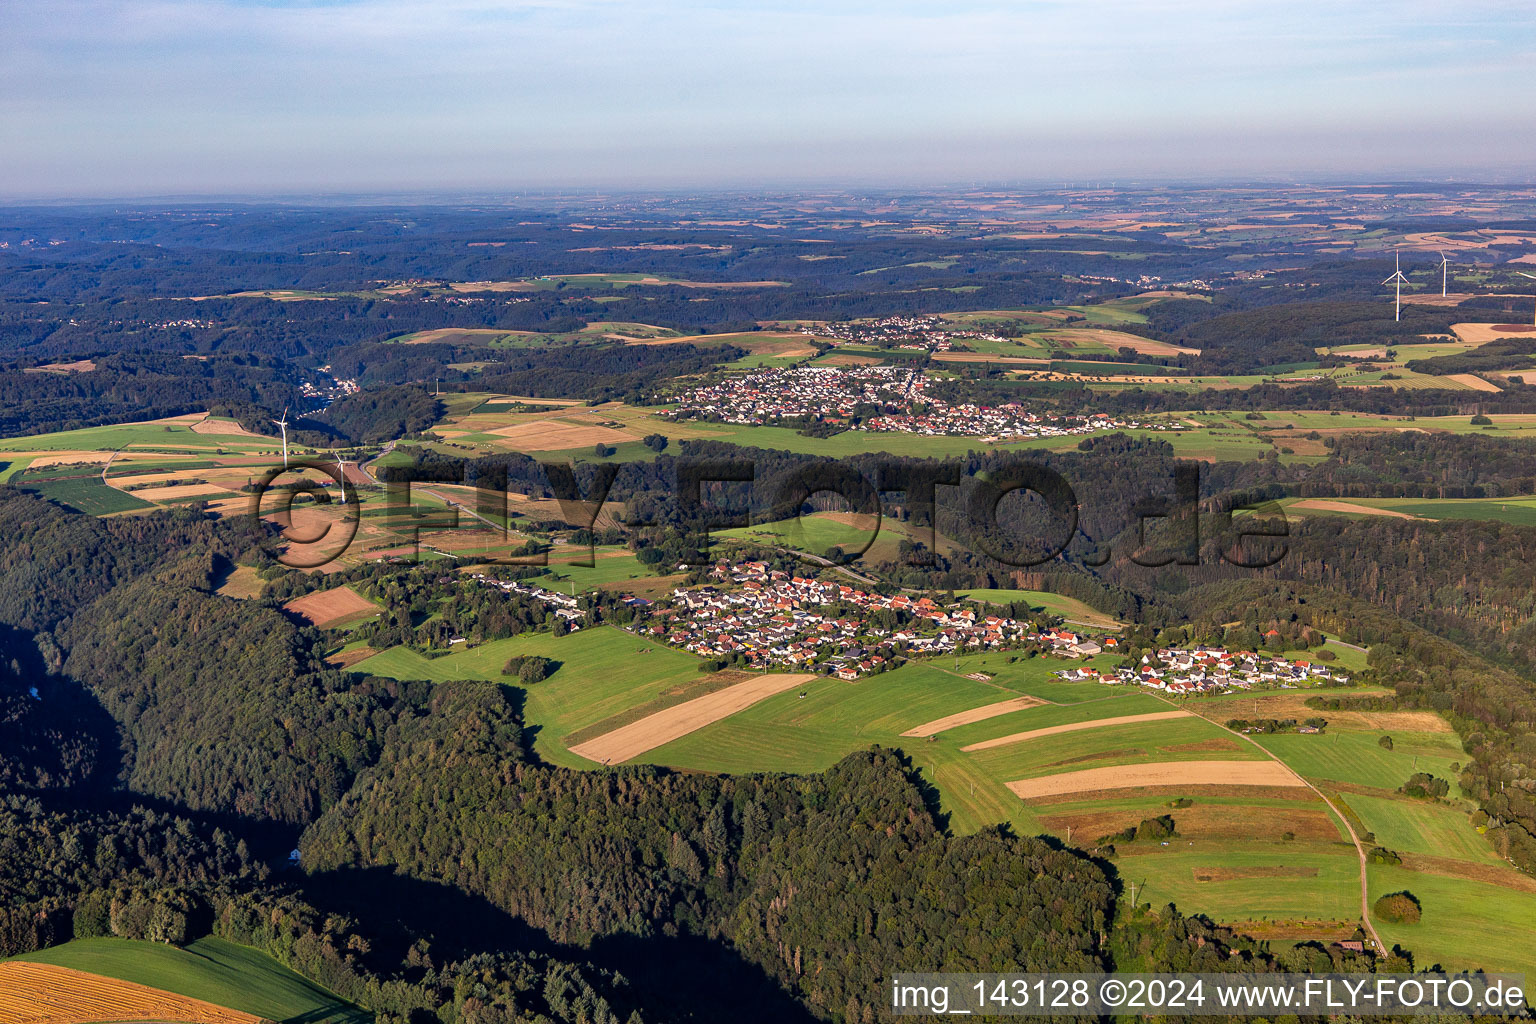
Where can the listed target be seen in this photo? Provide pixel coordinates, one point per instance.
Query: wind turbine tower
(1445, 268)
(283, 426)
(1533, 278)
(1398, 279)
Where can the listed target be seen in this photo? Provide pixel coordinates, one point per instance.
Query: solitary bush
(1385, 743)
(528, 668)
(1480, 420)
(1425, 785)
(1399, 908)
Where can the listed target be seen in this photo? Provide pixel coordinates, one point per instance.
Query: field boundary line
(1365, 888)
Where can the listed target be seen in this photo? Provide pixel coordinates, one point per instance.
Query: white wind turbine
(341, 475)
(1398, 278)
(1445, 269)
(1533, 278)
(283, 425)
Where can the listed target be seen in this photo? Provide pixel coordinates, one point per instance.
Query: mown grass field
(1186, 739)
(1518, 511)
(212, 970)
(602, 672)
(1467, 923)
(1356, 757)
(814, 533)
(1069, 608)
(171, 436)
(610, 567)
(80, 488)
(1283, 886)
(1431, 827)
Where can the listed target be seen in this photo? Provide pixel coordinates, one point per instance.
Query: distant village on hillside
(879, 399)
(760, 618)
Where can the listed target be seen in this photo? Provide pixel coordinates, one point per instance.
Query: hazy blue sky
(119, 97)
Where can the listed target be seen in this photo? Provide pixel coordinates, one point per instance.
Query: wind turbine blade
(1524, 274)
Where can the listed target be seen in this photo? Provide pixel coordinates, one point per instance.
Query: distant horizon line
(494, 194)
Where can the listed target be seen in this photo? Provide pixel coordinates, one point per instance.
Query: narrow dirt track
(1365, 887)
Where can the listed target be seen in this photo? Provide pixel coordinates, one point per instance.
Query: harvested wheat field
(985, 357)
(346, 659)
(1327, 505)
(1294, 705)
(44, 994)
(1473, 381)
(557, 435)
(1097, 723)
(69, 459)
(1159, 773)
(632, 740)
(242, 584)
(1308, 821)
(1479, 334)
(226, 428)
(980, 714)
(1118, 340)
(329, 607)
(78, 366)
(179, 491)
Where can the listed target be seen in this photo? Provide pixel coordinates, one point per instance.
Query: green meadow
(1069, 608)
(609, 566)
(152, 436)
(1262, 883)
(1519, 511)
(80, 488)
(210, 969)
(1430, 827)
(602, 672)
(1357, 757)
(1467, 923)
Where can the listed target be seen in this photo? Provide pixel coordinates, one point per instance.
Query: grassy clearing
(1187, 739)
(813, 533)
(1519, 511)
(601, 673)
(1467, 924)
(610, 567)
(1421, 826)
(81, 489)
(212, 970)
(172, 436)
(1357, 757)
(1231, 882)
(1069, 608)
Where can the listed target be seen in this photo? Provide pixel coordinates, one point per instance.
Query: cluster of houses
(994, 423)
(766, 395)
(922, 333)
(832, 394)
(770, 617)
(339, 387)
(565, 605)
(1186, 671)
